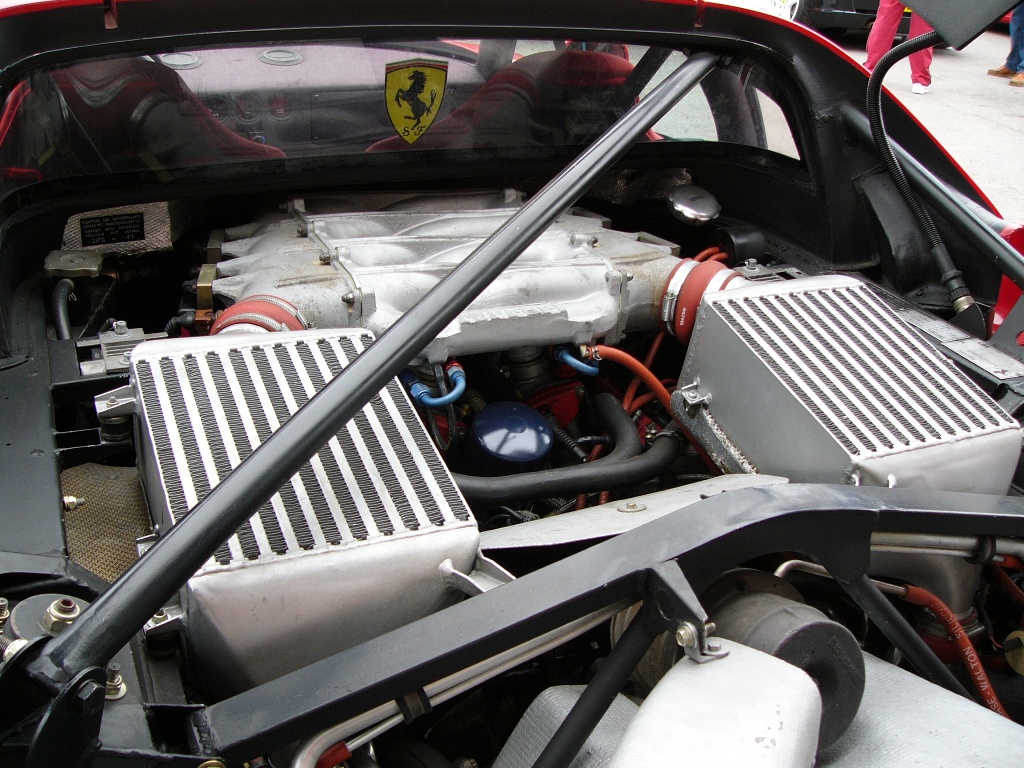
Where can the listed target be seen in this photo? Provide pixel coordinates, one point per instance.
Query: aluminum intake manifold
(346, 267)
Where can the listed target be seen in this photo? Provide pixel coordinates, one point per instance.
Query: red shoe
(1002, 71)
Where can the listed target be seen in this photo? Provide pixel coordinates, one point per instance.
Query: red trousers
(890, 12)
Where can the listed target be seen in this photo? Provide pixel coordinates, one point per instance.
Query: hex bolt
(72, 502)
(116, 688)
(325, 258)
(89, 698)
(120, 328)
(160, 617)
(686, 635)
(302, 230)
(750, 263)
(60, 615)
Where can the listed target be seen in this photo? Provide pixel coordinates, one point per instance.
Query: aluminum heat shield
(819, 380)
(348, 549)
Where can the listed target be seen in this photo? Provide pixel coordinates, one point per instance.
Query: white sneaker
(920, 89)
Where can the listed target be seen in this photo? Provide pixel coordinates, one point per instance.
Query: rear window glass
(215, 107)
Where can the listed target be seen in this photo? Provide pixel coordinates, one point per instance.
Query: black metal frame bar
(832, 524)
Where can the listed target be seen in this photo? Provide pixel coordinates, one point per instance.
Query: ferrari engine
(811, 379)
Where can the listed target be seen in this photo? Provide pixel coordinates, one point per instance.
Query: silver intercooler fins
(819, 380)
(349, 548)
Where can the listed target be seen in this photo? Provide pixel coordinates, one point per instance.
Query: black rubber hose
(59, 306)
(179, 321)
(623, 466)
(951, 277)
(592, 704)
(566, 441)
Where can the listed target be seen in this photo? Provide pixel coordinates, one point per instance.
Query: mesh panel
(101, 534)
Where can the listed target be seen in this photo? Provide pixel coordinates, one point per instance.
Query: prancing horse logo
(405, 86)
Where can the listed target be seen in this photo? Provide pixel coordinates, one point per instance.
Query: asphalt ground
(979, 119)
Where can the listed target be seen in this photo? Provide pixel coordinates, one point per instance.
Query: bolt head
(686, 635)
(89, 697)
(120, 327)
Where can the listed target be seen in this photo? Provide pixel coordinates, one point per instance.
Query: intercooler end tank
(818, 380)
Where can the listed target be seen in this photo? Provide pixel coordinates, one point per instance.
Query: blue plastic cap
(507, 438)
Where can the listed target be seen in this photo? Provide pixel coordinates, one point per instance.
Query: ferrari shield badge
(414, 90)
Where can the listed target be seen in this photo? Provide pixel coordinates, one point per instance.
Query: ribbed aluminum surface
(207, 405)
(875, 387)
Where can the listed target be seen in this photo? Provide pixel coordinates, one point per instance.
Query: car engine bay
(591, 388)
(607, 427)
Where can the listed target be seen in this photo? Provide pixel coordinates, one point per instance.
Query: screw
(631, 506)
(115, 688)
(302, 230)
(325, 258)
(89, 698)
(349, 298)
(160, 617)
(120, 327)
(750, 264)
(5, 612)
(686, 635)
(10, 647)
(212, 764)
(72, 502)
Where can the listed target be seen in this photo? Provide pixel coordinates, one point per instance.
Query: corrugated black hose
(951, 277)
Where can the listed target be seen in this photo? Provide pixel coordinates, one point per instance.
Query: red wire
(634, 385)
(711, 254)
(972, 661)
(639, 369)
(656, 387)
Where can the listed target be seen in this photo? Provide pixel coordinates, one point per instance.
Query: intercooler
(349, 548)
(819, 380)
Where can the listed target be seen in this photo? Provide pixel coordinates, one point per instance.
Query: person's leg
(920, 62)
(1015, 61)
(883, 30)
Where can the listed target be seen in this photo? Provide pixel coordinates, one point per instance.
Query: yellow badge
(414, 90)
